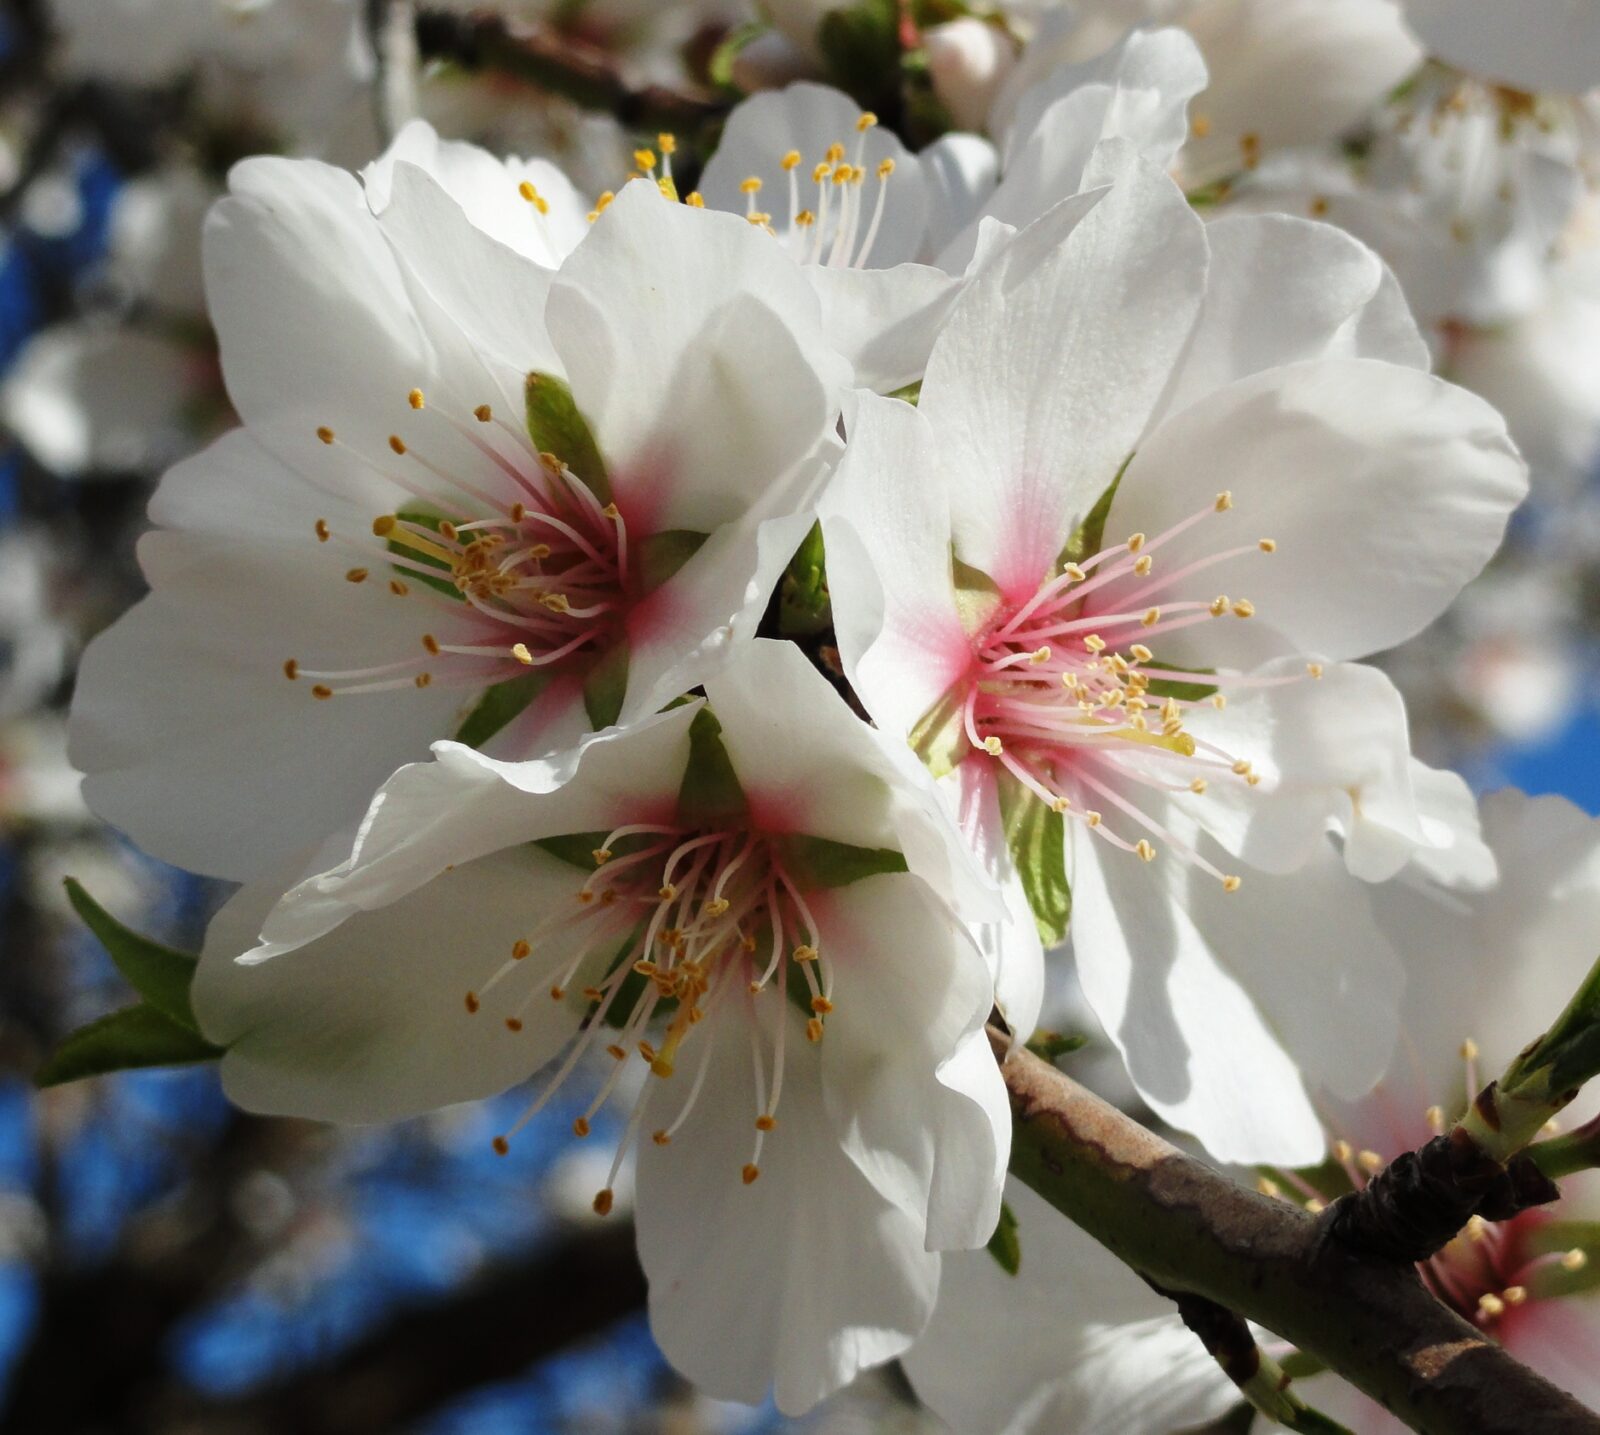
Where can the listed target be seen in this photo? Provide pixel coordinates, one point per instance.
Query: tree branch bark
(1188, 1227)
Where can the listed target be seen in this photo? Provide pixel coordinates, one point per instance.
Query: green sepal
(500, 704)
(606, 685)
(556, 426)
(1004, 1245)
(135, 1037)
(1048, 1045)
(658, 556)
(860, 48)
(1091, 533)
(822, 862)
(1301, 1365)
(711, 793)
(576, 849)
(1551, 1280)
(804, 606)
(160, 974)
(1183, 692)
(1038, 842)
(937, 737)
(977, 595)
(910, 393)
(425, 519)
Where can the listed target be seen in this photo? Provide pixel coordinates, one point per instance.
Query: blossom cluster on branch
(959, 518)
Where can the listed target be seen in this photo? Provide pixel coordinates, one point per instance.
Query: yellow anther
(993, 746)
(805, 219)
(398, 588)
(759, 218)
(1095, 643)
(1435, 1119)
(1061, 804)
(766, 1123)
(843, 173)
(513, 1023)
(750, 185)
(500, 1145)
(1232, 883)
(580, 1127)
(645, 159)
(667, 893)
(1151, 618)
(1092, 818)
(717, 906)
(1244, 608)
(291, 669)
(1314, 670)
(520, 652)
(821, 173)
(1199, 785)
(1469, 1050)
(821, 1005)
(422, 679)
(813, 1030)
(1136, 543)
(1040, 655)
(885, 168)
(325, 434)
(1242, 766)
(1514, 1295)
(321, 529)
(1316, 1207)
(834, 153)
(1219, 605)
(1477, 1228)
(520, 949)
(1144, 565)
(397, 443)
(537, 200)
(1268, 1187)
(1141, 654)
(1200, 127)
(1343, 1151)
(1075, 573)
(694, 199)
(383, 525)
(750, 1174)
(483, 413)
(865, 121)
(1267, 545)
(1574, 1260)
(321, 691)
(1146, 852)
(1250, 149)
(1490, 1305)
(602, 1202)
(1370, 1162)
(431, 643)
(415, 399)
(472, 1003)
(790, 161)
(1224, 501)
(661, 1138)
(805, 953)
(667, 142)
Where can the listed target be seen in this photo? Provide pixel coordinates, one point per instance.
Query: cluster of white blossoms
(466, 656)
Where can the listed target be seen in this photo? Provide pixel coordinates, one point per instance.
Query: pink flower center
(519, 558)
(690, 926)
(1067, 695)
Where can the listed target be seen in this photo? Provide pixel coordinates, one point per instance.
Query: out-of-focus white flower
(1110, 400)
(34, 640)
(766, 905)
(1539, 46)
(388, 547)
(1282, 72)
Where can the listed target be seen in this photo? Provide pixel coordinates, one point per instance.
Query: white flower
(760, 910)
(888, 237)
(384, 543)
(1535, 45)
(1282, 72)
(968, 60)
(1074, 1341)
(1289, 490)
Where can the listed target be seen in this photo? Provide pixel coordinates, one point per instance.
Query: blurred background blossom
(169, 1264)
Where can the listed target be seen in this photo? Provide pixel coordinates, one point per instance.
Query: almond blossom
(759, 897)
(469, 496)
(1110, 574)
(1537, 46)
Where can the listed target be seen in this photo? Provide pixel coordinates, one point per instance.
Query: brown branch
(1187, 1227)
(562, 64)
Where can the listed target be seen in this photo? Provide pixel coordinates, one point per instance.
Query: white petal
(1385, 490)
(962, 171)
(887, 528)
(796, 1282)
(914, 1092)
(1281, 290)
(1051, 363)
(370, 1023)
(1068, 1343)
(884, 320)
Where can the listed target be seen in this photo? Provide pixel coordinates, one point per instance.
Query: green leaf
(658, 556)
(822, 862)
(160, 974)
(1051, 1044)
(711, 792)
(1004, 1244)
(860, 48)
(1037, 839)
(556, 426)
(804, 606)
(500, 704)
(606, 686)
(136, 1036)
